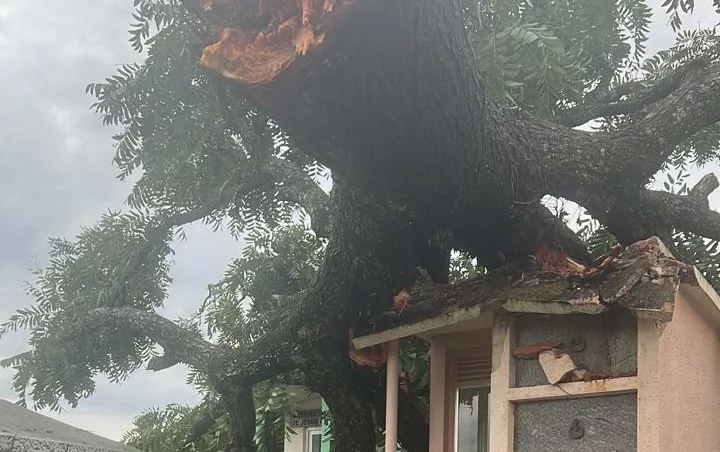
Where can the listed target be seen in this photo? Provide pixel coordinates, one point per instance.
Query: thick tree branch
(684, 213)
(331, 100)
(240, 407)
(638, 95)
(568, 159)
(705, 186)
(607, 172)
(692, 107)
(385, 141)
(179, 344)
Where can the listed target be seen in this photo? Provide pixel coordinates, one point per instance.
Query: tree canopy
(358, 146)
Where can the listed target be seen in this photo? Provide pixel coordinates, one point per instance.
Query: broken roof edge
(644, 280)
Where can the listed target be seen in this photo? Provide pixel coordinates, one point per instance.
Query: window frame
(453, 386)
(456, 414)
(309, 434)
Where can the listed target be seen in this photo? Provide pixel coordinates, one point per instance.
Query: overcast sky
(56, 175)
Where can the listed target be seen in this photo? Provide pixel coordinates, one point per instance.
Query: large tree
(443, 124)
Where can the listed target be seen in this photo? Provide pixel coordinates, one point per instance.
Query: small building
(624, 356)
(309, 432)
(309, 422)
(23, 430)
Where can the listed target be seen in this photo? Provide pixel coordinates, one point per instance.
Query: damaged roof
(642, 279)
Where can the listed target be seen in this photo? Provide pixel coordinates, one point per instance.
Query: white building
(306, 423)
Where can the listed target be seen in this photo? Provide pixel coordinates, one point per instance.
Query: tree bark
(239, 405)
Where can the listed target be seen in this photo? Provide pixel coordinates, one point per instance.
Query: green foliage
(175, 429)
(674, 8)
(464, 266)
(533, 59)
(273, 404)
(109, 265)
(254, 286)
(161, 430)
(190, 143)
(527, 65)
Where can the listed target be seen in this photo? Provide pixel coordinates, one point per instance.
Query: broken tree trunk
(423, 137)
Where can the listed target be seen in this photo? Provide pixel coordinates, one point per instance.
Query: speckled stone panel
(20, 444)
(10, 443)
(597, 424)
(81, 448)
(603, 343)
(37, 445)
(6, 443)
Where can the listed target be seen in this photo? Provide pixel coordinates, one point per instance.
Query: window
(472, 368)
(471, 424)
(314, 440)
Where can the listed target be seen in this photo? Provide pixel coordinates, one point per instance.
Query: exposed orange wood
(258, 57)
(533, 350)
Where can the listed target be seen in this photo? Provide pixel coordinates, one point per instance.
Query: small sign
(306, 418)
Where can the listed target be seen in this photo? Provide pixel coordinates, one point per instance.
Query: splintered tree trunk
(392, 103)
(390, 100)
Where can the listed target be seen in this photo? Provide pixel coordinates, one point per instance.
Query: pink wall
(689, 382)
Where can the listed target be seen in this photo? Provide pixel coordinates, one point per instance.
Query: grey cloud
(205, 253)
